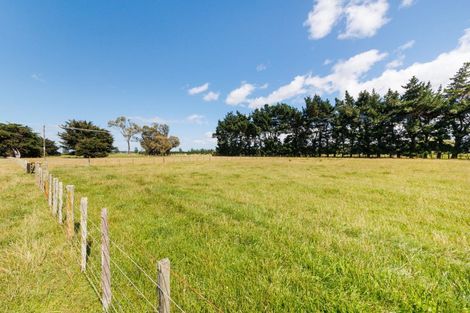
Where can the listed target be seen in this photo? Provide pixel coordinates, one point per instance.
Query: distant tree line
(83, 138)
(418, 122)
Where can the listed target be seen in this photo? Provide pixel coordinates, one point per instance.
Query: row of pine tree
(418, 122)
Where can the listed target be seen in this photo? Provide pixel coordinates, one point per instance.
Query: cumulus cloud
(437, 71)
(396, 63)
(350, 75)
(211, 96)
(294, 88)
(345, 75)
(364, 18)
(198, 89)
(239, 95)
(323, 17)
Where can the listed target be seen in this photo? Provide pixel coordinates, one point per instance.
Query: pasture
(249, 234)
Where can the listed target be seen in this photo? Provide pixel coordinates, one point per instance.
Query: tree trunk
(128, 147)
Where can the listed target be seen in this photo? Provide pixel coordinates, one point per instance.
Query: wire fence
(103, 261)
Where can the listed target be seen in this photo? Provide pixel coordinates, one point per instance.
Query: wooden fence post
(45, 182)
(84, 230)
(163, 288)
(54, 195)
(49, 195)
(61, 202)
(38, 175)
(69, 210)
(105, 261)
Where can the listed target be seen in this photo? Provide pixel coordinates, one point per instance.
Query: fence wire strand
(90, 274)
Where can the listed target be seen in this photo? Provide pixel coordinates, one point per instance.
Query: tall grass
(277, 235)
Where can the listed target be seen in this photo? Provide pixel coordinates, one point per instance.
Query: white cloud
(364, 18)
(206, 140)
(396, 63)
(407, 45)
(437, 71)
(348, 75)
(327, 61)
(323, 17)
(196, 119)
(239, 95)
(261, 67)
(198, 89)
(345, 75)
(211, 96)
(264, 86)
(294, 88)
(406, 3)
(147, 120)
(38, 77)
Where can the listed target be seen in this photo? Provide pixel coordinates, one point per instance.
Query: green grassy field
(250, 234)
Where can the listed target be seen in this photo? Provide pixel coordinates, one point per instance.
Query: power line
(86, 129)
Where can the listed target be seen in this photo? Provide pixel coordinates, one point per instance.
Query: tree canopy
(129, 130)
(17, 138)
(83, 138)
(417, 122)
(155, 139)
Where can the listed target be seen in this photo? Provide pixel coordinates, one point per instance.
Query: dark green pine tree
(318, 115)
(412, 100)
(458, 112)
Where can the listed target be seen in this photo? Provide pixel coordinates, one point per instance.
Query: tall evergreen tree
(458, 112)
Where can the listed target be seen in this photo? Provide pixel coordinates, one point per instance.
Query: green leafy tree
(129, 130)
(155, 140)
(93, 140)
(91, 147)
(51, 147)
(17, 138)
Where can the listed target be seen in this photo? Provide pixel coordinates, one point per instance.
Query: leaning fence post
(163, 288)
(83, 228)
(61, 201)
(54, 196)
(49, 195)
(105, 261)
(69, 210)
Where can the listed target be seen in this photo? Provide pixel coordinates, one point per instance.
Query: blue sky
(188, 63)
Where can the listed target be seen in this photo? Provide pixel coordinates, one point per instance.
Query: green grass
(265, 234)
(38, 268)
